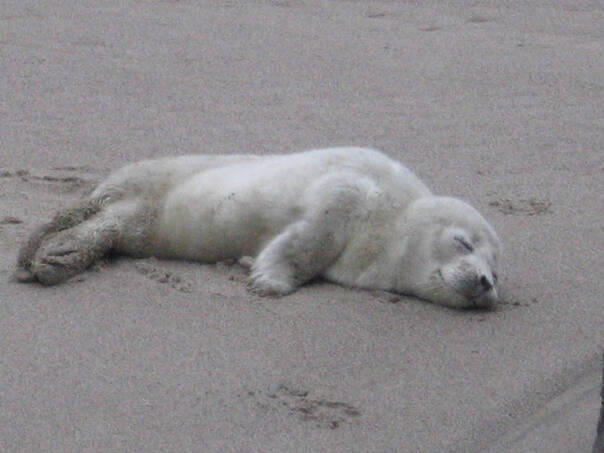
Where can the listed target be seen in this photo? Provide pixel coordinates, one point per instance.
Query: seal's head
(451, 254)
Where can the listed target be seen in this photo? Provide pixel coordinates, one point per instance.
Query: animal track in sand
(297, 402)
(148, 268)
(60, 179)
(10, 220)
(528, 207)
(512, 301)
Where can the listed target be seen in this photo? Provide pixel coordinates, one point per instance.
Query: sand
(500, 105)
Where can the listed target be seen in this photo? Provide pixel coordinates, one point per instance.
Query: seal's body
(351, 215)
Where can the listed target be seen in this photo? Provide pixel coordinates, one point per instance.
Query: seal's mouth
(480, 301)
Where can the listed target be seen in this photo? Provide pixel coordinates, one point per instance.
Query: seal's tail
(65, 219)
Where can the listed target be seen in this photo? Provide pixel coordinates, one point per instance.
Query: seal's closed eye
(465, 243)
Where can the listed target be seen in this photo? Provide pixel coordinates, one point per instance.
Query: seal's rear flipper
(63, 220)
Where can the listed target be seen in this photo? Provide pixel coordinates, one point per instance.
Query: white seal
(350, 215)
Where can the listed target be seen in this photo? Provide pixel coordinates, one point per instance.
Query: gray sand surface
(500, 105)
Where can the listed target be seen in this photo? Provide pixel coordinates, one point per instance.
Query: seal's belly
(227, 213)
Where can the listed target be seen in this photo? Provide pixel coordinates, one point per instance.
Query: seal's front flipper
(310, 245)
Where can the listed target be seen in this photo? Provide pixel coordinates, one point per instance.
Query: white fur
(351, 215)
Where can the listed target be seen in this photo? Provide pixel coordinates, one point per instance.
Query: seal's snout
(485, 283)
(488, 297)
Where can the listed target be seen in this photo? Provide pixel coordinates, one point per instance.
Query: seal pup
(350, 215)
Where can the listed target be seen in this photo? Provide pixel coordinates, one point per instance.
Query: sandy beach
(499, 105)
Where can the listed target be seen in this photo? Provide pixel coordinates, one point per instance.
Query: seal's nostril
(486, 284)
